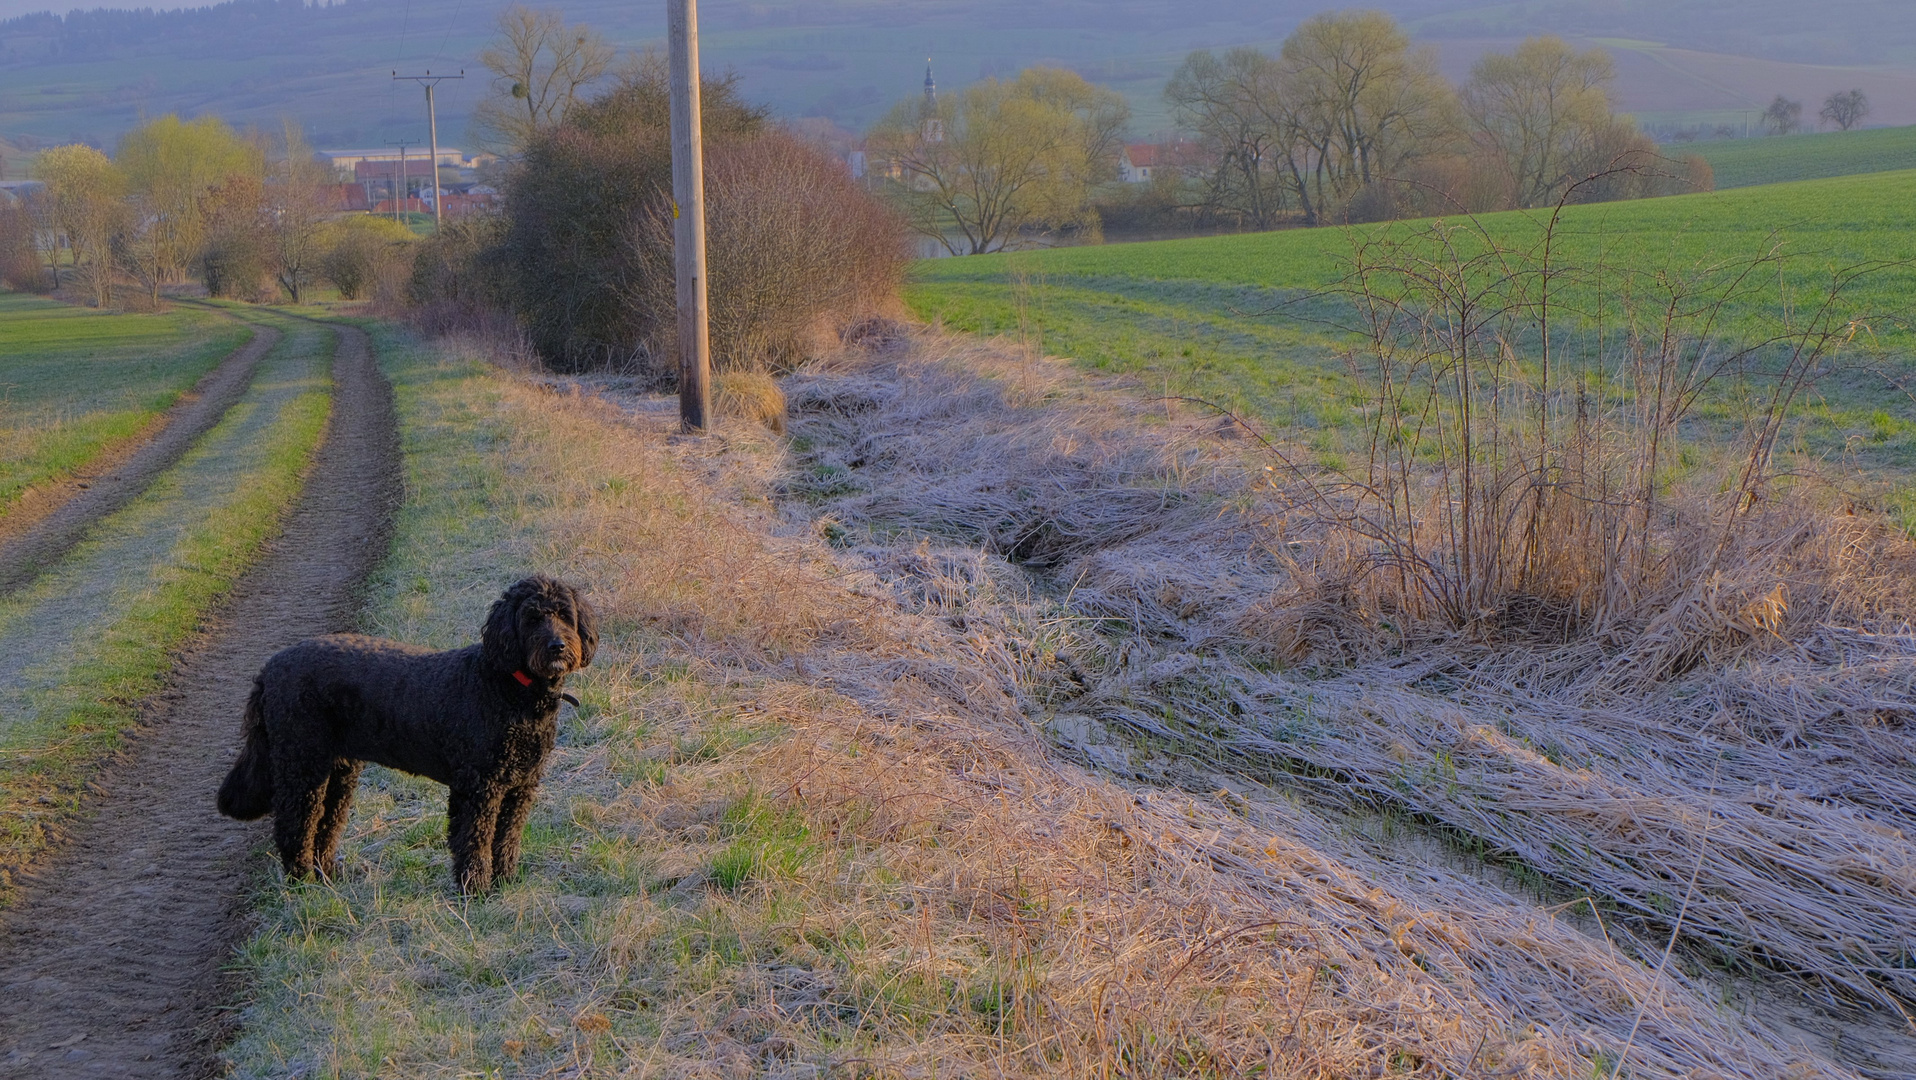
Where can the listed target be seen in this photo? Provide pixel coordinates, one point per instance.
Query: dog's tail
(248, 790)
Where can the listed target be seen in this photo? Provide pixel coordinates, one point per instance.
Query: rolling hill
(89, 75)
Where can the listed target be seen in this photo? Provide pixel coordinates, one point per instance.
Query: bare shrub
(793, 246)
(564, 254)
(1520, 474)
(238, 257)
(795, 250)
(457, 281)
(362, 252)
(20, 265)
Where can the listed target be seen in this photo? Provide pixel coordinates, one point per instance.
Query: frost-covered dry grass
(926, 744)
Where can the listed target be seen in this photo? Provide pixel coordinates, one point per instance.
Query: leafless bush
(1520, 467)
(20, 265)
(362, 256)
(795, 250)
(457, 282)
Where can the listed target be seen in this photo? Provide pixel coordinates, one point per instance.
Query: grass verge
(77, 381)
(46, 760)
(803, 825)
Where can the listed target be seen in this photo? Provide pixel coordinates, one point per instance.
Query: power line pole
(399, 185)
(688, 212)
(429, 80)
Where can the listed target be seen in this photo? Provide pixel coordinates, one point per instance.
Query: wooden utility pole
(429, 80)
(399, 186)
(688, 212)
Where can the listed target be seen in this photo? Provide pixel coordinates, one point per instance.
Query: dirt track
(109, 963)
(49, 522)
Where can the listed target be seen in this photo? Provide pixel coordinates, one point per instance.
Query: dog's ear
(499, 642)
(586, 622)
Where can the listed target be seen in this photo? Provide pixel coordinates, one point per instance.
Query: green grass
(73, 380)
(71, 723)
(1235, 319)
(1781, 159)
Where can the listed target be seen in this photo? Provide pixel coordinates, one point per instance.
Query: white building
(346, 159)
(1136, 162)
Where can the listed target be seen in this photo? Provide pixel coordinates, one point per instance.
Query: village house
(1135, 163)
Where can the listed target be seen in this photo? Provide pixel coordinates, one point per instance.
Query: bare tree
(1361, 105)
(1783, 115)
(1541, 107)
(999, 158)
(1235, 105)
(539, 65)
(1845, 108)
(297, 205)
(84, 203)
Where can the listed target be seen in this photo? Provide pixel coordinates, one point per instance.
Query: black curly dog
(480, 720)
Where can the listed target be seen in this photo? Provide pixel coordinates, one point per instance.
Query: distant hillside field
(1776, 160)
(1234, 318)
(90, 74)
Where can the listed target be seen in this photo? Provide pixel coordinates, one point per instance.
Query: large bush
(236, 257)
(361, 255)
(586, 258)
(458, 278)
(793, 245)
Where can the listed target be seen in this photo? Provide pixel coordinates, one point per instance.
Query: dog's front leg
(472, 816)
(513, 811)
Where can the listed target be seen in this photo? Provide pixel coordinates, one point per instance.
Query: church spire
(931, 88)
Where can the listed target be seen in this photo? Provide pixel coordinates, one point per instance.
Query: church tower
(934, 126)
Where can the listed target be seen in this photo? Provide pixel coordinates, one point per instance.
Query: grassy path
(111, 955)
(87, 641)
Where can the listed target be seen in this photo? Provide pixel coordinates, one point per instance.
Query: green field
(73, 380)
(1239, 320)
(1748, 162)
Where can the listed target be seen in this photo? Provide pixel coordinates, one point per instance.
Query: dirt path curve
(109, 964)
(37, 533)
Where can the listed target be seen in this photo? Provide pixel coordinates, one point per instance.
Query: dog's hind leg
(340, 785)
(506, 837)
(299, 801)
(472, 816)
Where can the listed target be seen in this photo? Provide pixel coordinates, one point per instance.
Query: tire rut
(65, 511)
(110, 962)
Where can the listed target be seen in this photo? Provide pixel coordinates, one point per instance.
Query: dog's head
(542, 627)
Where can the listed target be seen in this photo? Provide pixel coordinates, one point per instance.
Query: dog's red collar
(526, 680)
